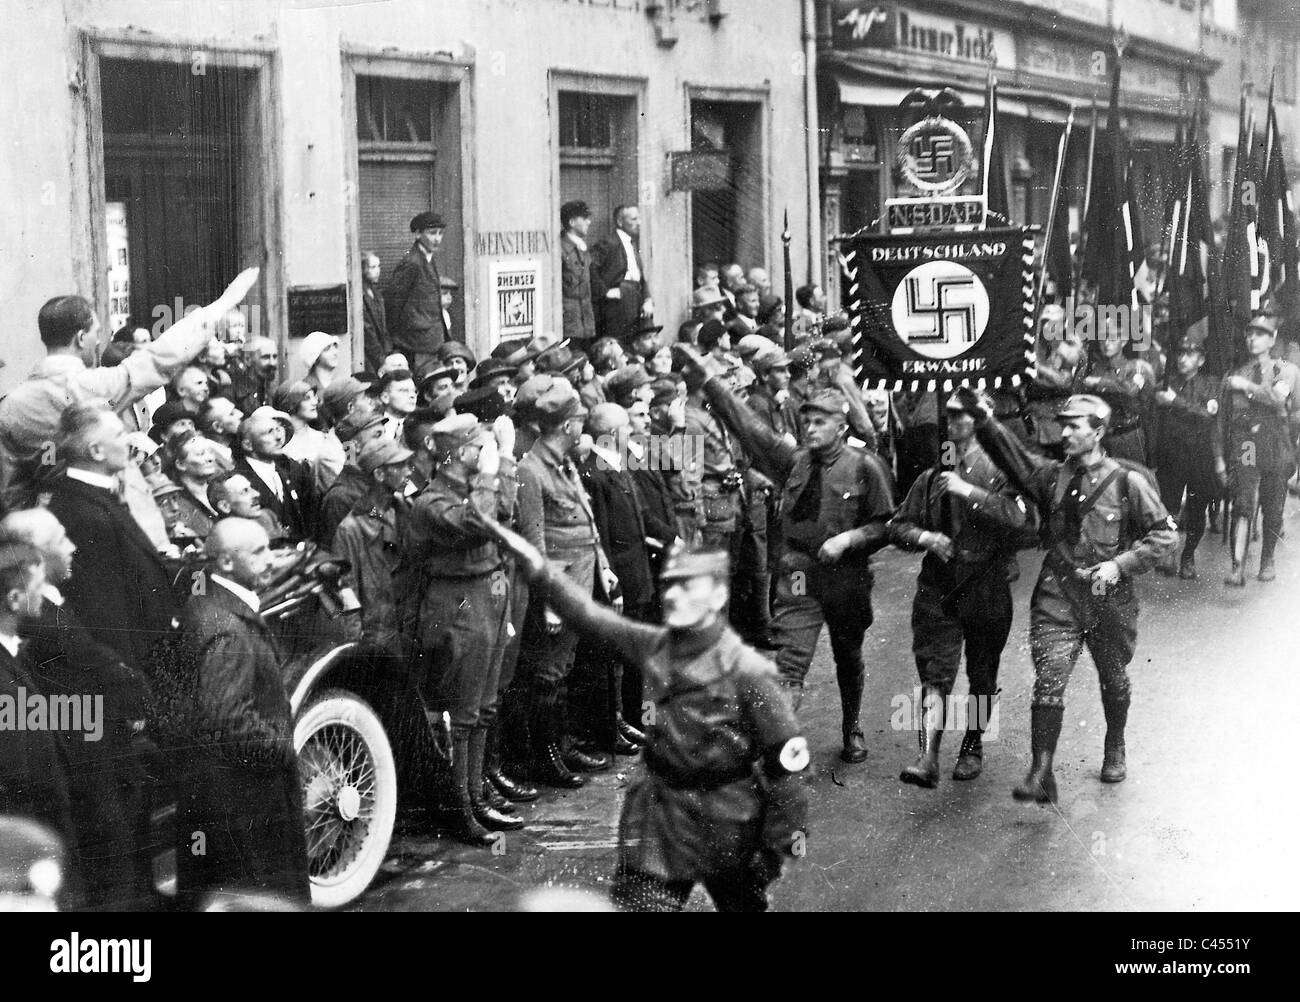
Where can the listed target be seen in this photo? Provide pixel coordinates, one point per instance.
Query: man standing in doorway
(619, 291)
(575, 270)
(415, 318)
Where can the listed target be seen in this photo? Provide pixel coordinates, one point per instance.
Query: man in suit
(373, 316)
(33, 776)
(106, 775)
(621, 528)
(415, 321)
(575, 274)
(286, 487)
(619, 291)
(238, 772)
(119, 587)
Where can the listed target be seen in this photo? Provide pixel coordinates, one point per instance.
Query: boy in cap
(1102, 524)
(1254, 432)
(414, 295)
(723, 801)
(555, 515)
(575, 273)
(464, 600)
(1186, 410)
(835, 502)
(967, 519)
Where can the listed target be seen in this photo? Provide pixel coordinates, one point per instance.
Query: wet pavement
(1204, 821)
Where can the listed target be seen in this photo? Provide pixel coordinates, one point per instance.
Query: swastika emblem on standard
(934, 157)
(940, 309)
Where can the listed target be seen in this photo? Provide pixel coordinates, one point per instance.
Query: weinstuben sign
(936, 310)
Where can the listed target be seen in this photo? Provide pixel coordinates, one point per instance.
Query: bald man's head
(240, 550)
(39, 528)
(606, 419)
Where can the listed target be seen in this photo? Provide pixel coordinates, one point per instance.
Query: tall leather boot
(627, 739)
(925, 771)
(548, 762)
(512, 789)
(490, 817)
(1039, 786)
(1114, 768)
(576, 758)
(855, 743)
(467, 827)
(1267, 572)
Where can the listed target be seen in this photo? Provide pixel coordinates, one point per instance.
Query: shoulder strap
(1090, 501)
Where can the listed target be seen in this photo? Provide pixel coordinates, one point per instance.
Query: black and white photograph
(612, 456)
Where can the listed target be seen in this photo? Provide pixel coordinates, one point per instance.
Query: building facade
(164, 146)
(1048, 56)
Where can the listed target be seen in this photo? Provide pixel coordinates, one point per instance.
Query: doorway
(182, 185)
(728, 218)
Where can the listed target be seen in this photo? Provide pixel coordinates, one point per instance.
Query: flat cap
(626, 380)
(356, 425)
(1263, 321)
(1085, 405)
(768, 358)
(559, 403)
(804, 357)
(427, 221)
(530, 391)
(750, 345)
(382, 451)
(338, 396)
(451, 433)
(689, 561)
(830, 402)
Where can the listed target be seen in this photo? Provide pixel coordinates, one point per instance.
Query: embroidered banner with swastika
(939, 310)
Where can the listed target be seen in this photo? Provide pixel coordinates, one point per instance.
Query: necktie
(1070, 507)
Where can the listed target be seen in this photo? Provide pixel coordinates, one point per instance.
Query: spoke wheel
(349, 784)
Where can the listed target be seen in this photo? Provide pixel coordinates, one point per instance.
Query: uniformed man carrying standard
(967, 519)
(1104, 524)
(836, 500)
(723, 802)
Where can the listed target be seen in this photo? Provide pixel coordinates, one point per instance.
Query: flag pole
(1061, 148)
(1087, 189)
(789, 284)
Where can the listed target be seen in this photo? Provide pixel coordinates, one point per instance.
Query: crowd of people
(517, 526)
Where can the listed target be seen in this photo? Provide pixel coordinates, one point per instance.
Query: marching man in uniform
(1253, 453)
(1104, 524)
(967, 519)
(723, 802)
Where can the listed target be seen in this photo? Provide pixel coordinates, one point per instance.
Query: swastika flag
(940, 310)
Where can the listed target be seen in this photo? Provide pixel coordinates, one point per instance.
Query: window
(394, 110)
(586, 121)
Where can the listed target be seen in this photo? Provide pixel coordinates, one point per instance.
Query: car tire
(349, 782)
